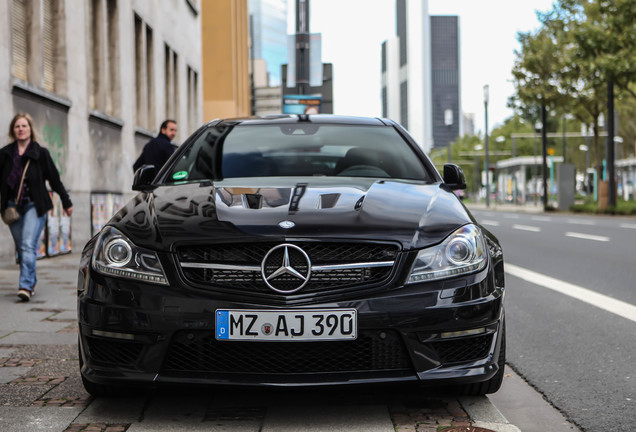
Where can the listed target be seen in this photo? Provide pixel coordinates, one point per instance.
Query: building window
(37, 54)
(193, 113)
(103, 52)
(404, 104)
(172, 86)
(144, 76)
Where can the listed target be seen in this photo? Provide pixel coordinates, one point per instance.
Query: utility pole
(302, 47)
(610, 142)
(544, 153)
(486, 96)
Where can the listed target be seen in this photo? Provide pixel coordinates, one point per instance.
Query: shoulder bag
(11, 214)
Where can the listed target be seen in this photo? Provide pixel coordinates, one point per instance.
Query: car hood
(238, 210)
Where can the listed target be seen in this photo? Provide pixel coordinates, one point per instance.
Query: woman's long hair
(17, 117)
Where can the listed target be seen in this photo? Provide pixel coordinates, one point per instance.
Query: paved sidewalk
(41, 389)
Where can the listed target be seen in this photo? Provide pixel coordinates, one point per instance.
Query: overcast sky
(353, 32)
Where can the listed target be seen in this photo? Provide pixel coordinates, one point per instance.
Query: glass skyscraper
(269, 21)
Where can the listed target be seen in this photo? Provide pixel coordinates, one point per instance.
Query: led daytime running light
(442, 261)
(115, 255)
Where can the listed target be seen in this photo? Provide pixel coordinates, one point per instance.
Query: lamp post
(544, 154)
(486, 95)
(448, 122)
(585, 131)
(537, 128)
(477, 148)
(498, 140)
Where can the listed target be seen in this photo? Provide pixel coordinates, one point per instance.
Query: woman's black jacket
(40, 169)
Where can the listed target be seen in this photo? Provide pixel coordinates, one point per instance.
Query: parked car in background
(293, 250)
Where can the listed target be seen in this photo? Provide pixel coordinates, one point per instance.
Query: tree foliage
(568, 61)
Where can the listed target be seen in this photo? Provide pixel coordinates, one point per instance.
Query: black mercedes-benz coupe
(288, 251)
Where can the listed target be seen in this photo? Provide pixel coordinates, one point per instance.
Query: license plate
(286, 325)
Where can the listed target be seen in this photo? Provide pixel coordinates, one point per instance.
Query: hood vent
(253, 201)
(328, 200)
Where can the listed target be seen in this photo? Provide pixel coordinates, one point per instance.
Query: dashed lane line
(587, 236)
(581, 222)
(490, 223)
(541, 218)
(526, 228)
(617, 307)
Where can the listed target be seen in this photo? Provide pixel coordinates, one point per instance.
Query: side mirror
(454, 177)
(144, 177)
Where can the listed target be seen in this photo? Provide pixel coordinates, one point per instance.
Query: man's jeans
(26, 233)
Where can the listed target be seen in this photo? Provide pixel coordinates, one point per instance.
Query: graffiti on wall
(54, 141)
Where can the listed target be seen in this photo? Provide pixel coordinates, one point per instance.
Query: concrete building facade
(226, 68)
(98, 77)
(421, 75)
(406, 72)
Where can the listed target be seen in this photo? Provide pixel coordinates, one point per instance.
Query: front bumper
(135, 333)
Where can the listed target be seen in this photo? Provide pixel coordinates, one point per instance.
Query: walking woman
(24, 167)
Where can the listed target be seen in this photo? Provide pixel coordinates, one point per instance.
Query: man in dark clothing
(157, 151)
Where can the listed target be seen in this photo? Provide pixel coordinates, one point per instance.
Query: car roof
(295, 119)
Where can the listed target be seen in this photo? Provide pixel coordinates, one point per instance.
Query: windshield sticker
(179, 175)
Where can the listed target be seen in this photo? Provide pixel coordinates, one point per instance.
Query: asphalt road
(570, 310)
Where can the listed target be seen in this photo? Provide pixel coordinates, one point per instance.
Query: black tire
(494, 383)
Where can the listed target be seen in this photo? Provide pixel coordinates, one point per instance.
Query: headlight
(115, 255)
(462, 252)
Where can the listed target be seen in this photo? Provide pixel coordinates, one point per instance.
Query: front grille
(464, 349)
(245, 261)
(123, 353)
(253, 253)
(200, 352)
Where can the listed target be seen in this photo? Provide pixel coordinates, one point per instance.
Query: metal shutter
(20, 39)
(48, 45)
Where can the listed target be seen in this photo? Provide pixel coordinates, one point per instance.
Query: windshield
(298, 150)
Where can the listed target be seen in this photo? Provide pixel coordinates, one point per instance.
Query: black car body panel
(190, 212)
(212, 237)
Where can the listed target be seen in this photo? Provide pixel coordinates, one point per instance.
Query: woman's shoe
(24, 294)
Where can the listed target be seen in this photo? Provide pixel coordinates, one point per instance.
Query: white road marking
(490, 222)
(629, 226)
(581, 222)
(617, 307)
(527, 228)
(587, 236)
(541, 218)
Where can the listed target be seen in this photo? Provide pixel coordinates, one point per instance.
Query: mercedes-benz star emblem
(286, 268)
(287, 224)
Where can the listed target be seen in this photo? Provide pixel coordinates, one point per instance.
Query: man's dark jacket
(156, 152)
(40, 169)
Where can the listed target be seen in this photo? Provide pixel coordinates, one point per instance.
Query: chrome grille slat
(237, 267)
